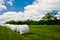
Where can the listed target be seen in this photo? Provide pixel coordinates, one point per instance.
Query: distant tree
(49, 16)
(11, 22)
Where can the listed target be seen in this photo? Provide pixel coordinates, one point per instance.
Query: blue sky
(24, 9)
(18, 5)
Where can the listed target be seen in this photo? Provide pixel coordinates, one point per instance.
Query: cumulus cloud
(36, 11)
(11, 16)
(1, 2)
(19, 16)
(58, 15)
(50, 5)
(59, 12)
(2, 7)
(10, 2)
(41, 7)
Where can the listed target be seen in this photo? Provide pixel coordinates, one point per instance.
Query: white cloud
(1, 2)
(58, 15)
(59, 12)
(10, 3)
(12, 16)
(2, 7)
(41, 7)
(35, 11)
(50, 5)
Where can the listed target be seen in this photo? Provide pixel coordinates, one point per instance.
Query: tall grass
(38, 32)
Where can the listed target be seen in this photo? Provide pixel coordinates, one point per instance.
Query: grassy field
(38, 32)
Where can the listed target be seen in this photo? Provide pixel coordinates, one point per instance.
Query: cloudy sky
(14, 5)
(26, 9)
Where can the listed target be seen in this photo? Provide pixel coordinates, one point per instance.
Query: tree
(49, 16)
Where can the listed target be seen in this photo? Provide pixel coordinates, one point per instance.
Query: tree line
(48, 19)
(31, 22)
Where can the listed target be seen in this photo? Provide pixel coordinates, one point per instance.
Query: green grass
(38, 32)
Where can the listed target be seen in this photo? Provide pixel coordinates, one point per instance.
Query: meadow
(37, 32)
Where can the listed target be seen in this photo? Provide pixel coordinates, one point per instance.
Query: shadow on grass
(27, 34)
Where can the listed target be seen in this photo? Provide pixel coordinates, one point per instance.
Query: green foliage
(38, 32)
(31, 22)
(49, 16)
(11, 21)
